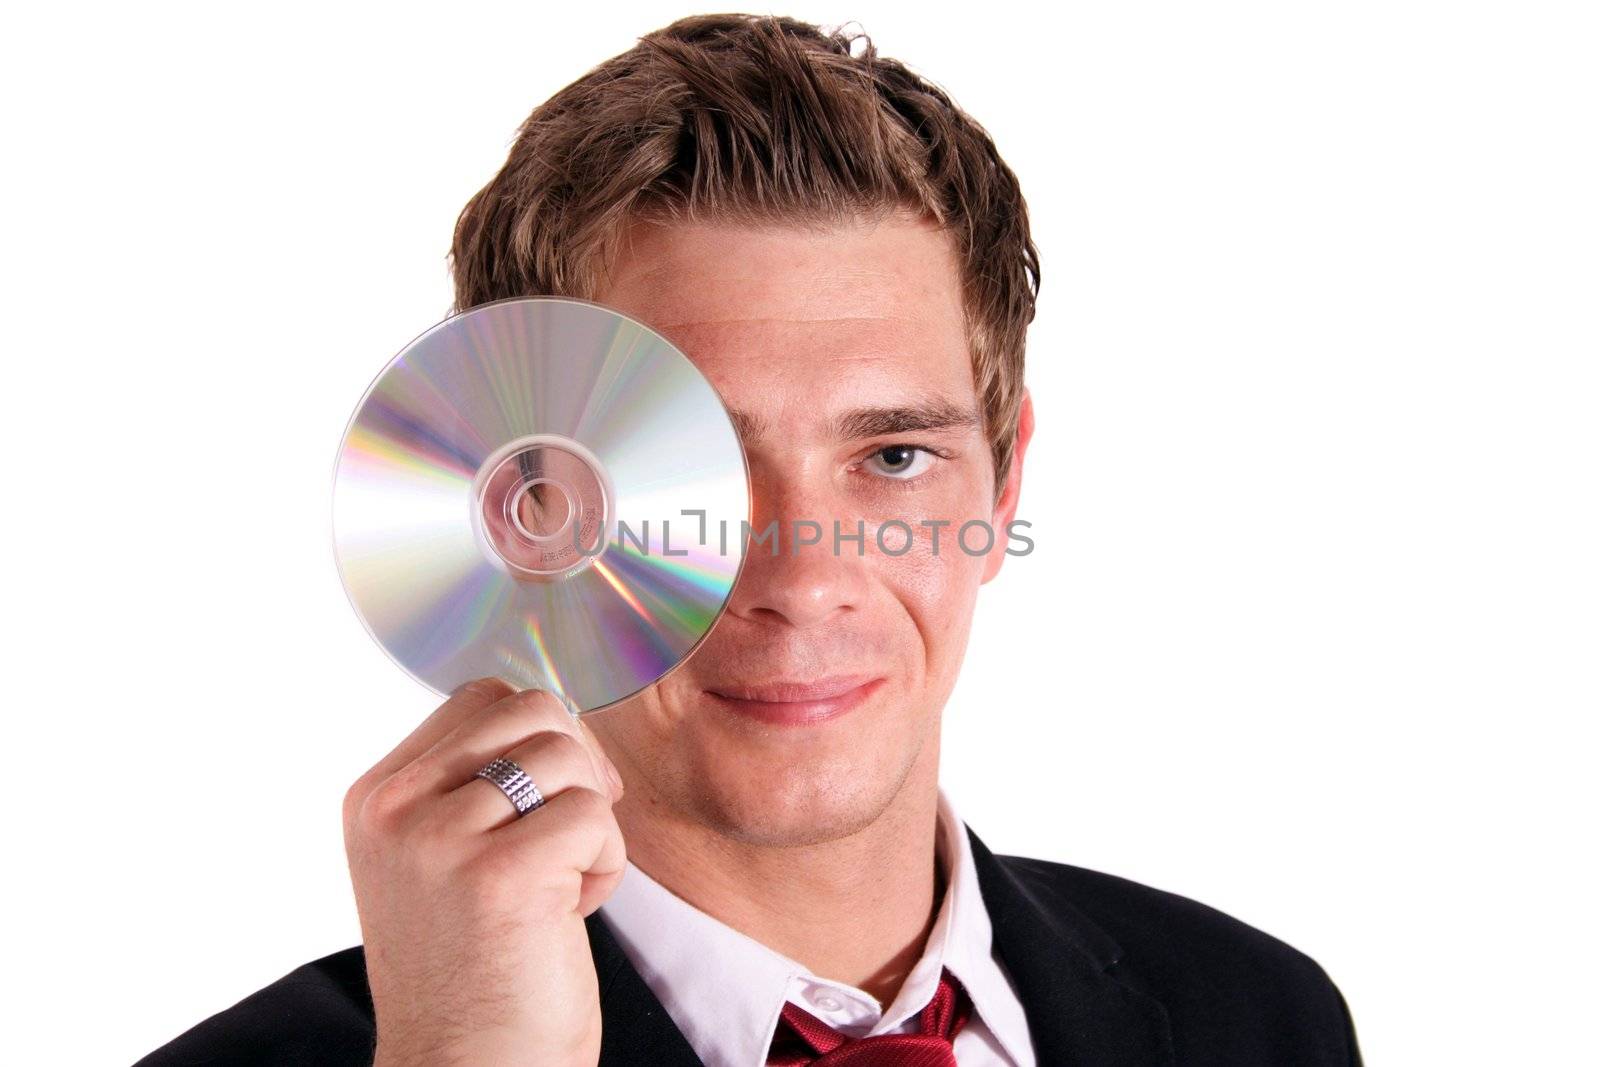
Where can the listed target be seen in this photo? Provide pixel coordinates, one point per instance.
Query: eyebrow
(933, 414)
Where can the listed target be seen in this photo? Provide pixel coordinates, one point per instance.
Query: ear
(1005, 506)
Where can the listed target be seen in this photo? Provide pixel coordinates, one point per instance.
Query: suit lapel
(1078, 1013)
(635, 1028)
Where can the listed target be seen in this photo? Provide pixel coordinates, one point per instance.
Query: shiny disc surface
(519, 494)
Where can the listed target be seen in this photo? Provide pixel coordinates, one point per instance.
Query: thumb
(609, 769)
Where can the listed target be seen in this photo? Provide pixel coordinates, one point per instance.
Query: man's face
(842, 355)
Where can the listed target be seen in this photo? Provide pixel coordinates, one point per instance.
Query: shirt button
(827, 1003)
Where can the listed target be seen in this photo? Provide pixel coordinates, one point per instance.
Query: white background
(1311, 630)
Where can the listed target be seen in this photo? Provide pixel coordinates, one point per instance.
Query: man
(846, 257)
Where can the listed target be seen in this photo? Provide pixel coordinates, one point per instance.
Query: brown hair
(758, 119)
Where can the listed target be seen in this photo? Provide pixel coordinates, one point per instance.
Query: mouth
(797, 703)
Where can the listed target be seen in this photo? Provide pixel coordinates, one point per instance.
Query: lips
(796, 703)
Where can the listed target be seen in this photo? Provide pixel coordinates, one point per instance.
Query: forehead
(796, 320)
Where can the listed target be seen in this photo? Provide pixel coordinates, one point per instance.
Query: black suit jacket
(1110, 973)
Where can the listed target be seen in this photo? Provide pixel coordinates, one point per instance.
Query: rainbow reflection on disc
(520, 492)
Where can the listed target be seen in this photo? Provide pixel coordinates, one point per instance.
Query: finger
(466, 701)
(577, 830)
(597, 889)
(606, 764)
(495, 730)
(554, 760)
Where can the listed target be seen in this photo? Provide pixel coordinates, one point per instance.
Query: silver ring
(513, 782)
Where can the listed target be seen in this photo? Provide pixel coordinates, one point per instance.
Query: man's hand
(472, 917)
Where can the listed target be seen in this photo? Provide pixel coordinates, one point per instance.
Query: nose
(803, 584)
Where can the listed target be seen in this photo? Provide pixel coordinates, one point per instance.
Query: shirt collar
(725, 990)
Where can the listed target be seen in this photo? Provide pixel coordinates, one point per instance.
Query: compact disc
(542, 490)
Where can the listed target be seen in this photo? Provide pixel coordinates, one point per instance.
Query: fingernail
(616, 779)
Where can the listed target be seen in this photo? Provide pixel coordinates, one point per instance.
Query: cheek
(639, 726)
(934, 588)
(929, 568)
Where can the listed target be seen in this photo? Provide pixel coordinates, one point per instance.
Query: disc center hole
(541, 509)
(536, 500)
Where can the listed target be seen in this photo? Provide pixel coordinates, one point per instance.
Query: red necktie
(803, 1040)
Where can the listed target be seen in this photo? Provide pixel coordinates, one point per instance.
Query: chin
(800, 801)
(769, 785)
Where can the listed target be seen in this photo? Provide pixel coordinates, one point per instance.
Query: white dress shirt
(725, 990)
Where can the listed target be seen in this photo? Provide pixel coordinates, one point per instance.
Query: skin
(817, 840)
(841, 354)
